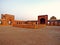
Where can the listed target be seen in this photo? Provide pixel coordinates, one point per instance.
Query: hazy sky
(30, 9)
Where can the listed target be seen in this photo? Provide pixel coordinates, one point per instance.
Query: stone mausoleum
(9, 20)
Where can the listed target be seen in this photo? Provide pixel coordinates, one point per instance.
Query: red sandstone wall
(26, 24)
(34, 26)
(54, 23)
(5, 18)
(43, 16)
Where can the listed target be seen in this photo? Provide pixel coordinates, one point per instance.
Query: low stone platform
(30, 26)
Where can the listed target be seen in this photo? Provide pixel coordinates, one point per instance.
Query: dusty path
(19, 36)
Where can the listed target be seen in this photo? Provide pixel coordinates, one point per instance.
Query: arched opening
(56, 23)
(53, 23)
(42, 21)
(48, 23)
(9, 22)
(0, 22)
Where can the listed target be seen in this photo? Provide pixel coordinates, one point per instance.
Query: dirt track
(21, 36)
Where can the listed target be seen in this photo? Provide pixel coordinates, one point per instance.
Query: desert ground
(49, 35)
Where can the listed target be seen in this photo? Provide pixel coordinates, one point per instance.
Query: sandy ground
(22, 36)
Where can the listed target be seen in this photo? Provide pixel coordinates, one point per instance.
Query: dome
(53, 18)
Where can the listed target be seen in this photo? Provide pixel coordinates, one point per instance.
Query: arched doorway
(10, 22)
(0, 22)
(42, 21)
(48, 23)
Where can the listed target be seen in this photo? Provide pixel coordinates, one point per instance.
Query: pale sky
(30, 9)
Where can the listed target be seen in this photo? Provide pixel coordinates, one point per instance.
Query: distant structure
(43, 19)
(9, 20)
(53, 21)
(53, 18)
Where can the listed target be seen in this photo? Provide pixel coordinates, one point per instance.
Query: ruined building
(9, 20)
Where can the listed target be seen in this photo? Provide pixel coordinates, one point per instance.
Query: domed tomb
(53, 18)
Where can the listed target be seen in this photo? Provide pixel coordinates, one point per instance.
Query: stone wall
(35, 26)
(54, 23)
(7, 19)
